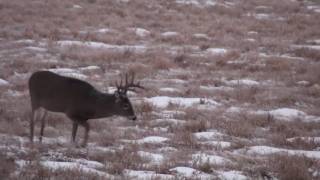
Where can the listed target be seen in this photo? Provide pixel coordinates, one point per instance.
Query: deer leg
(32, 125)
(74, 131)
(42, 125)
(86, 126)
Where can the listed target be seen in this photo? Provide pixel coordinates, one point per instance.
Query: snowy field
(233, 88)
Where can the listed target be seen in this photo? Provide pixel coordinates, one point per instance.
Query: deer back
(58, 93)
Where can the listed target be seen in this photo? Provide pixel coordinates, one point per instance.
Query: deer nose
(134, 118)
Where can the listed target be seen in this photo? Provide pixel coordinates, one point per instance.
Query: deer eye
(126, 106)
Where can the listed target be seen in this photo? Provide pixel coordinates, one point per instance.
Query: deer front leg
(86, 126)
(42, 125)
(32, 125)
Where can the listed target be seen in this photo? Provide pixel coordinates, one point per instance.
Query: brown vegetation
(264, 41)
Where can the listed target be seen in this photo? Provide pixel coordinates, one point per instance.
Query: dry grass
(34, 171)
(280, 131)
(162, 64)
(308, 53)
(277, 64)
(245, 37)
(291, 167)
(239, 129)
(144, 110)
(184, 140)
(308, 72)
(126, 158)
(15, 116)
(7, 166)
(299, 143)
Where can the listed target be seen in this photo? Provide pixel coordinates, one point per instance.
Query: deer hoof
(83, 145)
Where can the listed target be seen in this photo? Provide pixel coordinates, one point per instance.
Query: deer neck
(105, 105)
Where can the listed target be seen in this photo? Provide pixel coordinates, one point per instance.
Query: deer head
(122, 99)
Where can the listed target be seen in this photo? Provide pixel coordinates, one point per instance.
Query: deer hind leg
(43, 121)
(34, 108)
(74, 131)
(33, 113)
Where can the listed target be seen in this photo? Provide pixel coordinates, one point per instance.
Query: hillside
(233, 88)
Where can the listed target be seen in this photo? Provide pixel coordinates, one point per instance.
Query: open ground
(233, 88)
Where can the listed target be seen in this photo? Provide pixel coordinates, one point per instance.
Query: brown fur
(78, 99)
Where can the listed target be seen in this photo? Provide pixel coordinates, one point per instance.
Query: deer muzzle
(133, 118)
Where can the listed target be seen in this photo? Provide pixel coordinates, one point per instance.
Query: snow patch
(218, 144)
(141, 32)
(167, 89)
(180, 81)
(314, 41)
(250, 40)
(68, 72)
(267, 150)
(314, 47)
(104, 30)
(314, 8)
(245, 82)
(90, 164)
(100, 45)
(190, 173)
(154, 158)
(305, 139)
(169, 34)
(37, 49)
(215, 88)
(201, 36)
(252, 32)
(201, 158)
(198, 3)
(287, 114)
(170, 114)
(54, 165)
(186, 171)
(164, 101)
(13, 93)
(216, 51)
(26, 41)
(303, 83)
(165, 150)
(3, 82)
(150, 139)
(146, 175)
(233, 109)
(210, 135)
(262, 16)
(90, 68)
(231, 175)
(76, 6)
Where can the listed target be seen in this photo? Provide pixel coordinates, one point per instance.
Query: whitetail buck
(79, 100)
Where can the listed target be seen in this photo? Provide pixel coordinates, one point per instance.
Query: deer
(78, 100)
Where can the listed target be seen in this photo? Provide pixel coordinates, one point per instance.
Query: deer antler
(128, 86)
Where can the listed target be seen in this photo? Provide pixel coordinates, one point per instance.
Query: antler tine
(137, 85)
(117, 85)
(125, 87)
(127, 79)
(129, 84)
(132, 79)
(121, 81)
